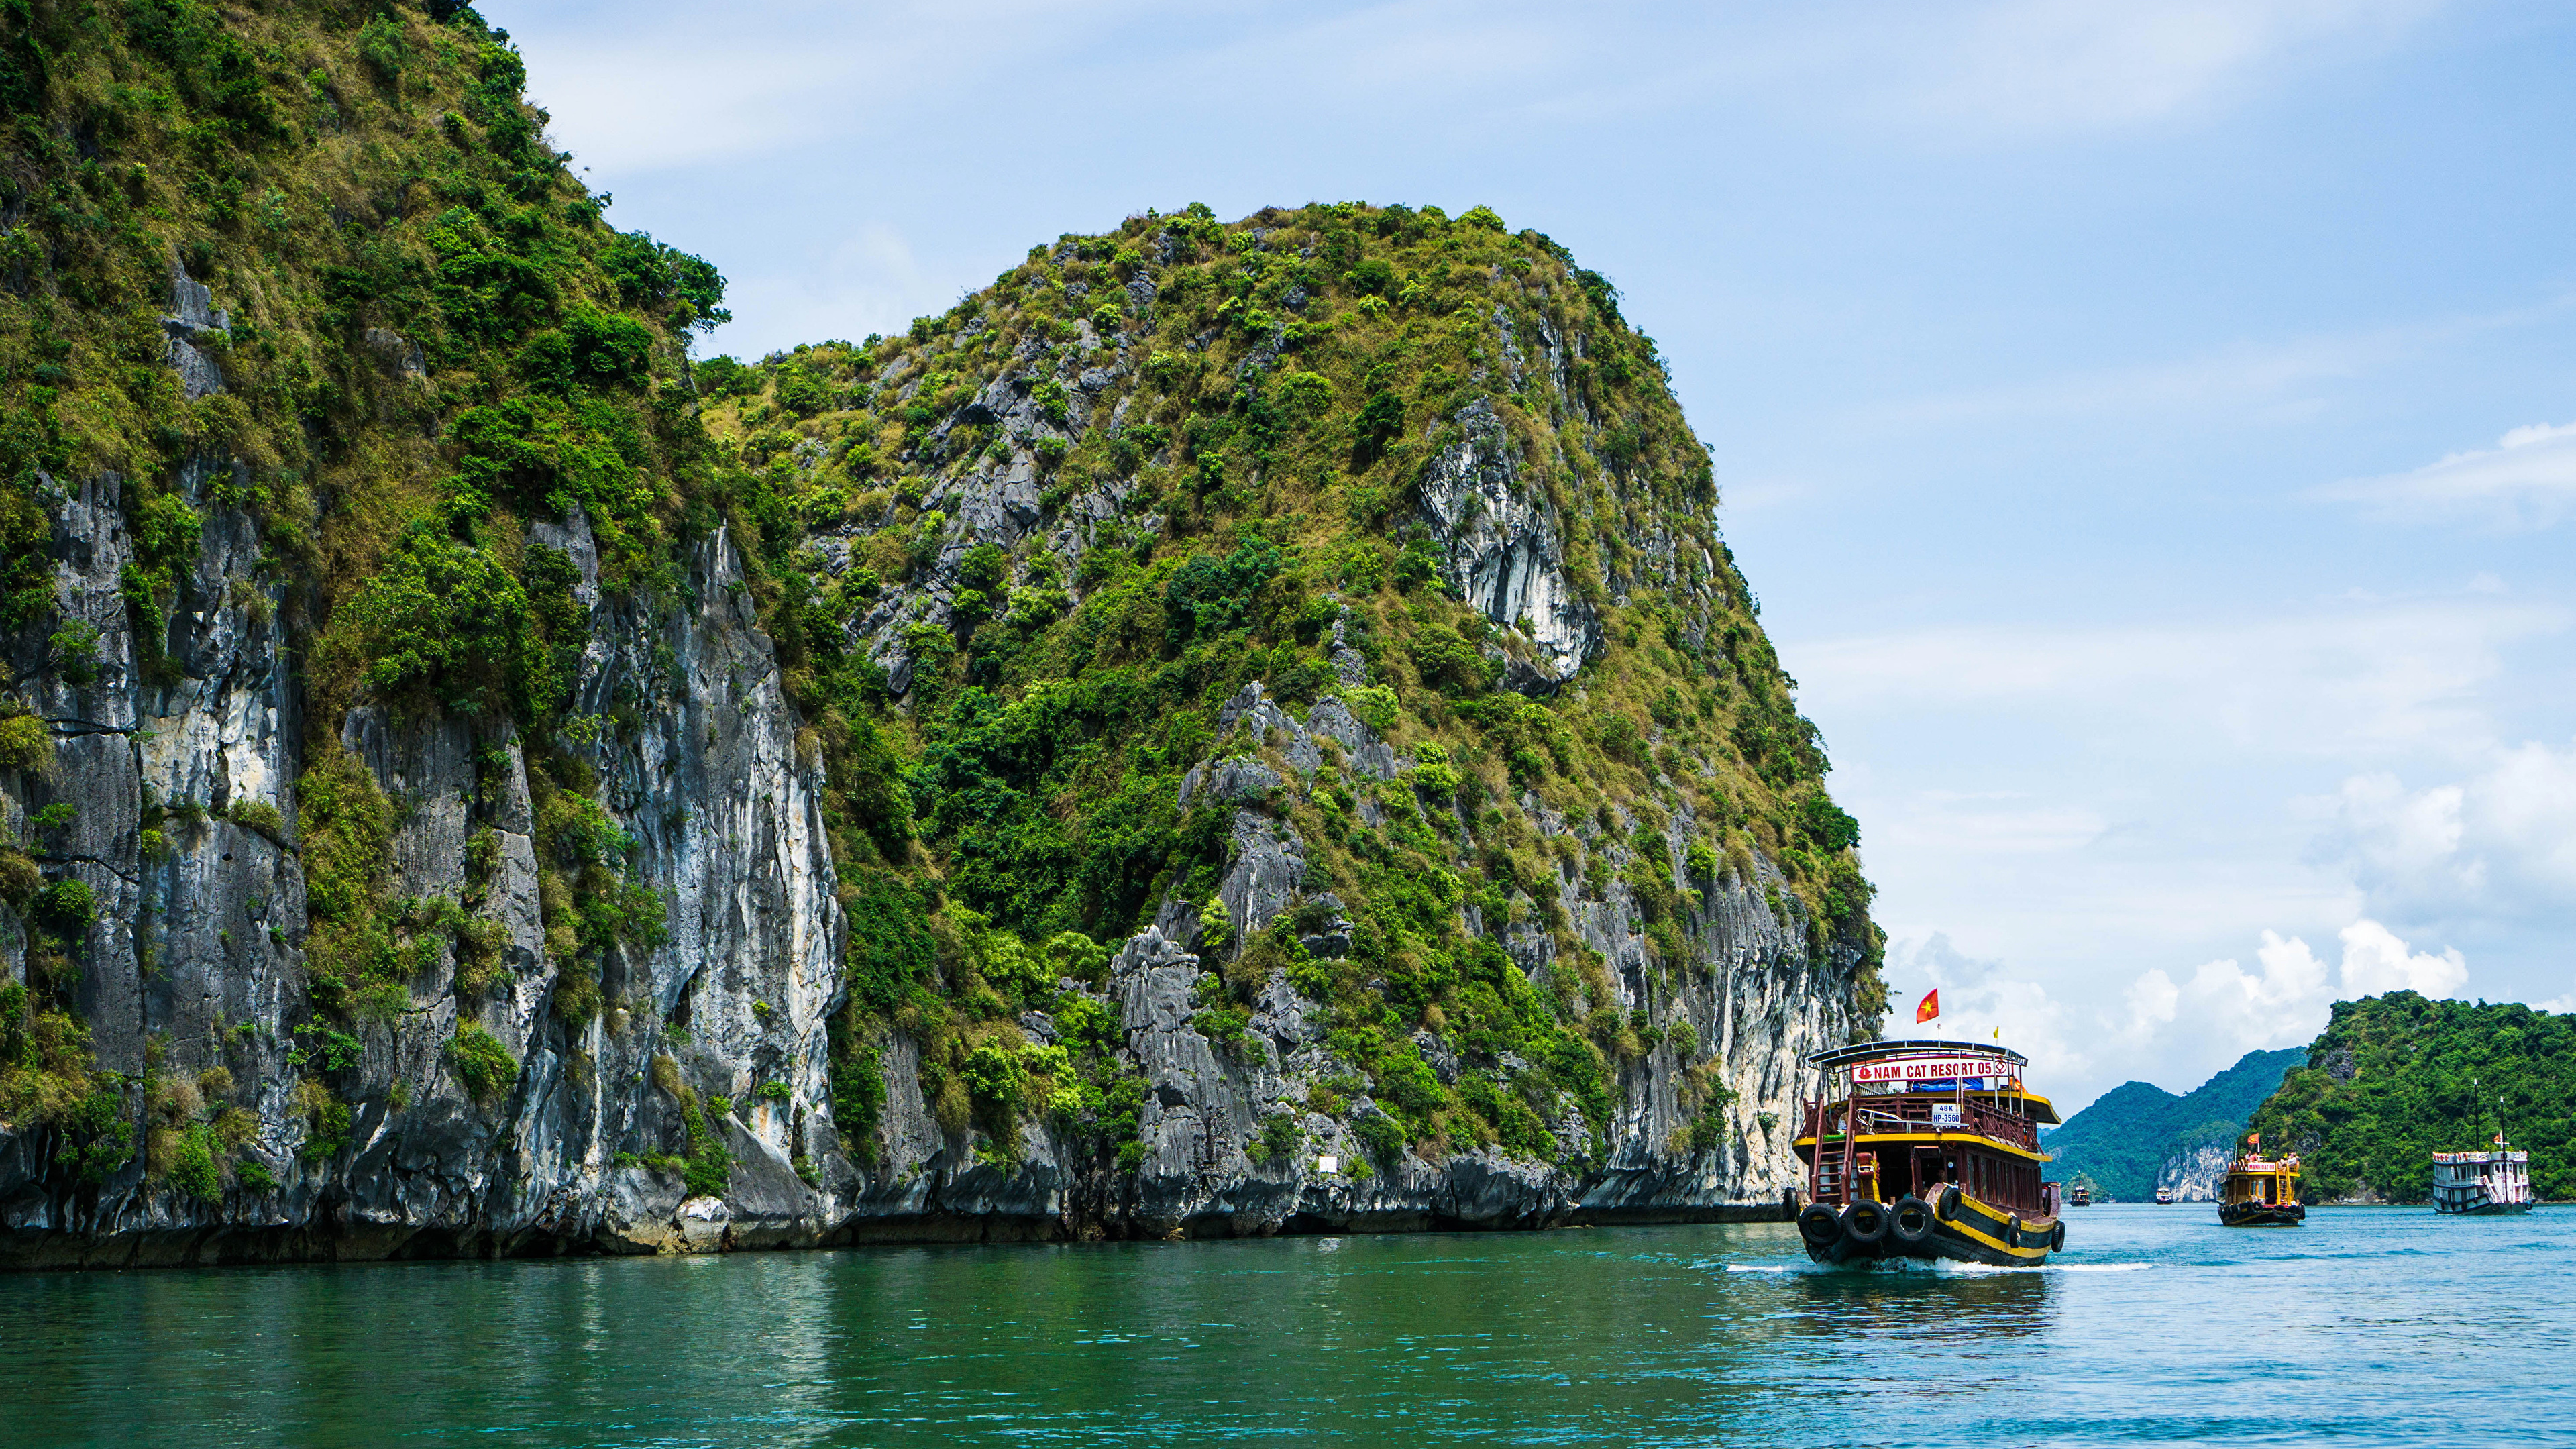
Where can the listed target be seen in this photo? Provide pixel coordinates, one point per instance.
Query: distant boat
(2483, 1184)
(1926, 1149)
(2164, 1197)
(2079, 1196)
(2261, 1192)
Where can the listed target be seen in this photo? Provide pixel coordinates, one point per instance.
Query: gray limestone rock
(189, 331)
(692, 755)
(1502, 549)
(398, 355)
(1229, 781)
(1324, 927)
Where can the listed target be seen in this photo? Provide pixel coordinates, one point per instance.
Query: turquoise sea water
(2367, 1326)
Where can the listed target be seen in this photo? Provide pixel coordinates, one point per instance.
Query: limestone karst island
(1241, 726)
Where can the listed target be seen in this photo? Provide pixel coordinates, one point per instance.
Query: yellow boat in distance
(1929, 1150)
(2261, 1192)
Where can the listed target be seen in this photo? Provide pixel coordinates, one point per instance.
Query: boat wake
(1908, 1265)
(1979, 1268)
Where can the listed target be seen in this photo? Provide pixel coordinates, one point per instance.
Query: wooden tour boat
(1926, 1149)
(2164, 1197)
(2261, 1192)
(2079, 1196)
(2485, 1184)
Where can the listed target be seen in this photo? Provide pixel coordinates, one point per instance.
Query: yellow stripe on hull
(2013, 1252)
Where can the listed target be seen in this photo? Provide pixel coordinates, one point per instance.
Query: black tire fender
(1911, 1222)
(1819, 1224)
(1865, 1221)
(1946, 1206)
(2012, 1231)
(2057, 1238)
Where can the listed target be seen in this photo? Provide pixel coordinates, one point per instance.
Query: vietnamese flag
(1930, 1008)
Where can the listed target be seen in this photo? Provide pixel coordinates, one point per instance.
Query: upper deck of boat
(2249, 1166)
(1890, 1089)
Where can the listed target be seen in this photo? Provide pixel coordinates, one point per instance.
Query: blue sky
(2147, 425)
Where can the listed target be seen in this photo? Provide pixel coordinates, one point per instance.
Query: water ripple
(2157, 1326)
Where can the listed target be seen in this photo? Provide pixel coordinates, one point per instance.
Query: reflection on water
(1914, 1303)
(2157, 1326)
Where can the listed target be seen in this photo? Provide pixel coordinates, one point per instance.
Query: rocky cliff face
(1755, 998)
(2195, 1174)
(194, 967)
(192, 973)
(1235, 729)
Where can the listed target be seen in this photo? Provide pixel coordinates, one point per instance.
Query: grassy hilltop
(2396, 1078)
(1226, 431)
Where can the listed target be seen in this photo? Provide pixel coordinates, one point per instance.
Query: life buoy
(1865, 1221)
(1819, 1224)
(1946, 1206)
(2057, 1238)
(1912, 1220)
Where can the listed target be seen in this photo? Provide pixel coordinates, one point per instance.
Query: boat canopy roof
(1871, 1051)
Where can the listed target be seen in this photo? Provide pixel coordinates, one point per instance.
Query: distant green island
(2119, 1142)
(2399, 1077)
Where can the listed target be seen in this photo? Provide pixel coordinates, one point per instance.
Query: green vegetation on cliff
(1230, 453)
(1233, 435)
(417, 335)
(2122, 1139)
(2399, 1077)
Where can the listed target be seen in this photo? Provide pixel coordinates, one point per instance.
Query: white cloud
(2177, 1033)
(1993, 823)
(651, 85)
(2152, 1002)
(654, 86)
(870, 282)
(2527, 480)
(2031, 64)
(2223, 1011)
(1982, 1001)
(2357, 675)
(2375, 963)
(2281, 380)
(2501, 842)
(2007, 70)
(2266, 379)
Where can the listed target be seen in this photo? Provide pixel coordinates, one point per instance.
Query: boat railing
(1891, 1115)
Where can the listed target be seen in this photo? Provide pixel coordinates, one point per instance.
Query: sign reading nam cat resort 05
(1976, 1073)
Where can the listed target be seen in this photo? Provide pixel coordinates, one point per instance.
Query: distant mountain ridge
(2124, 1138)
